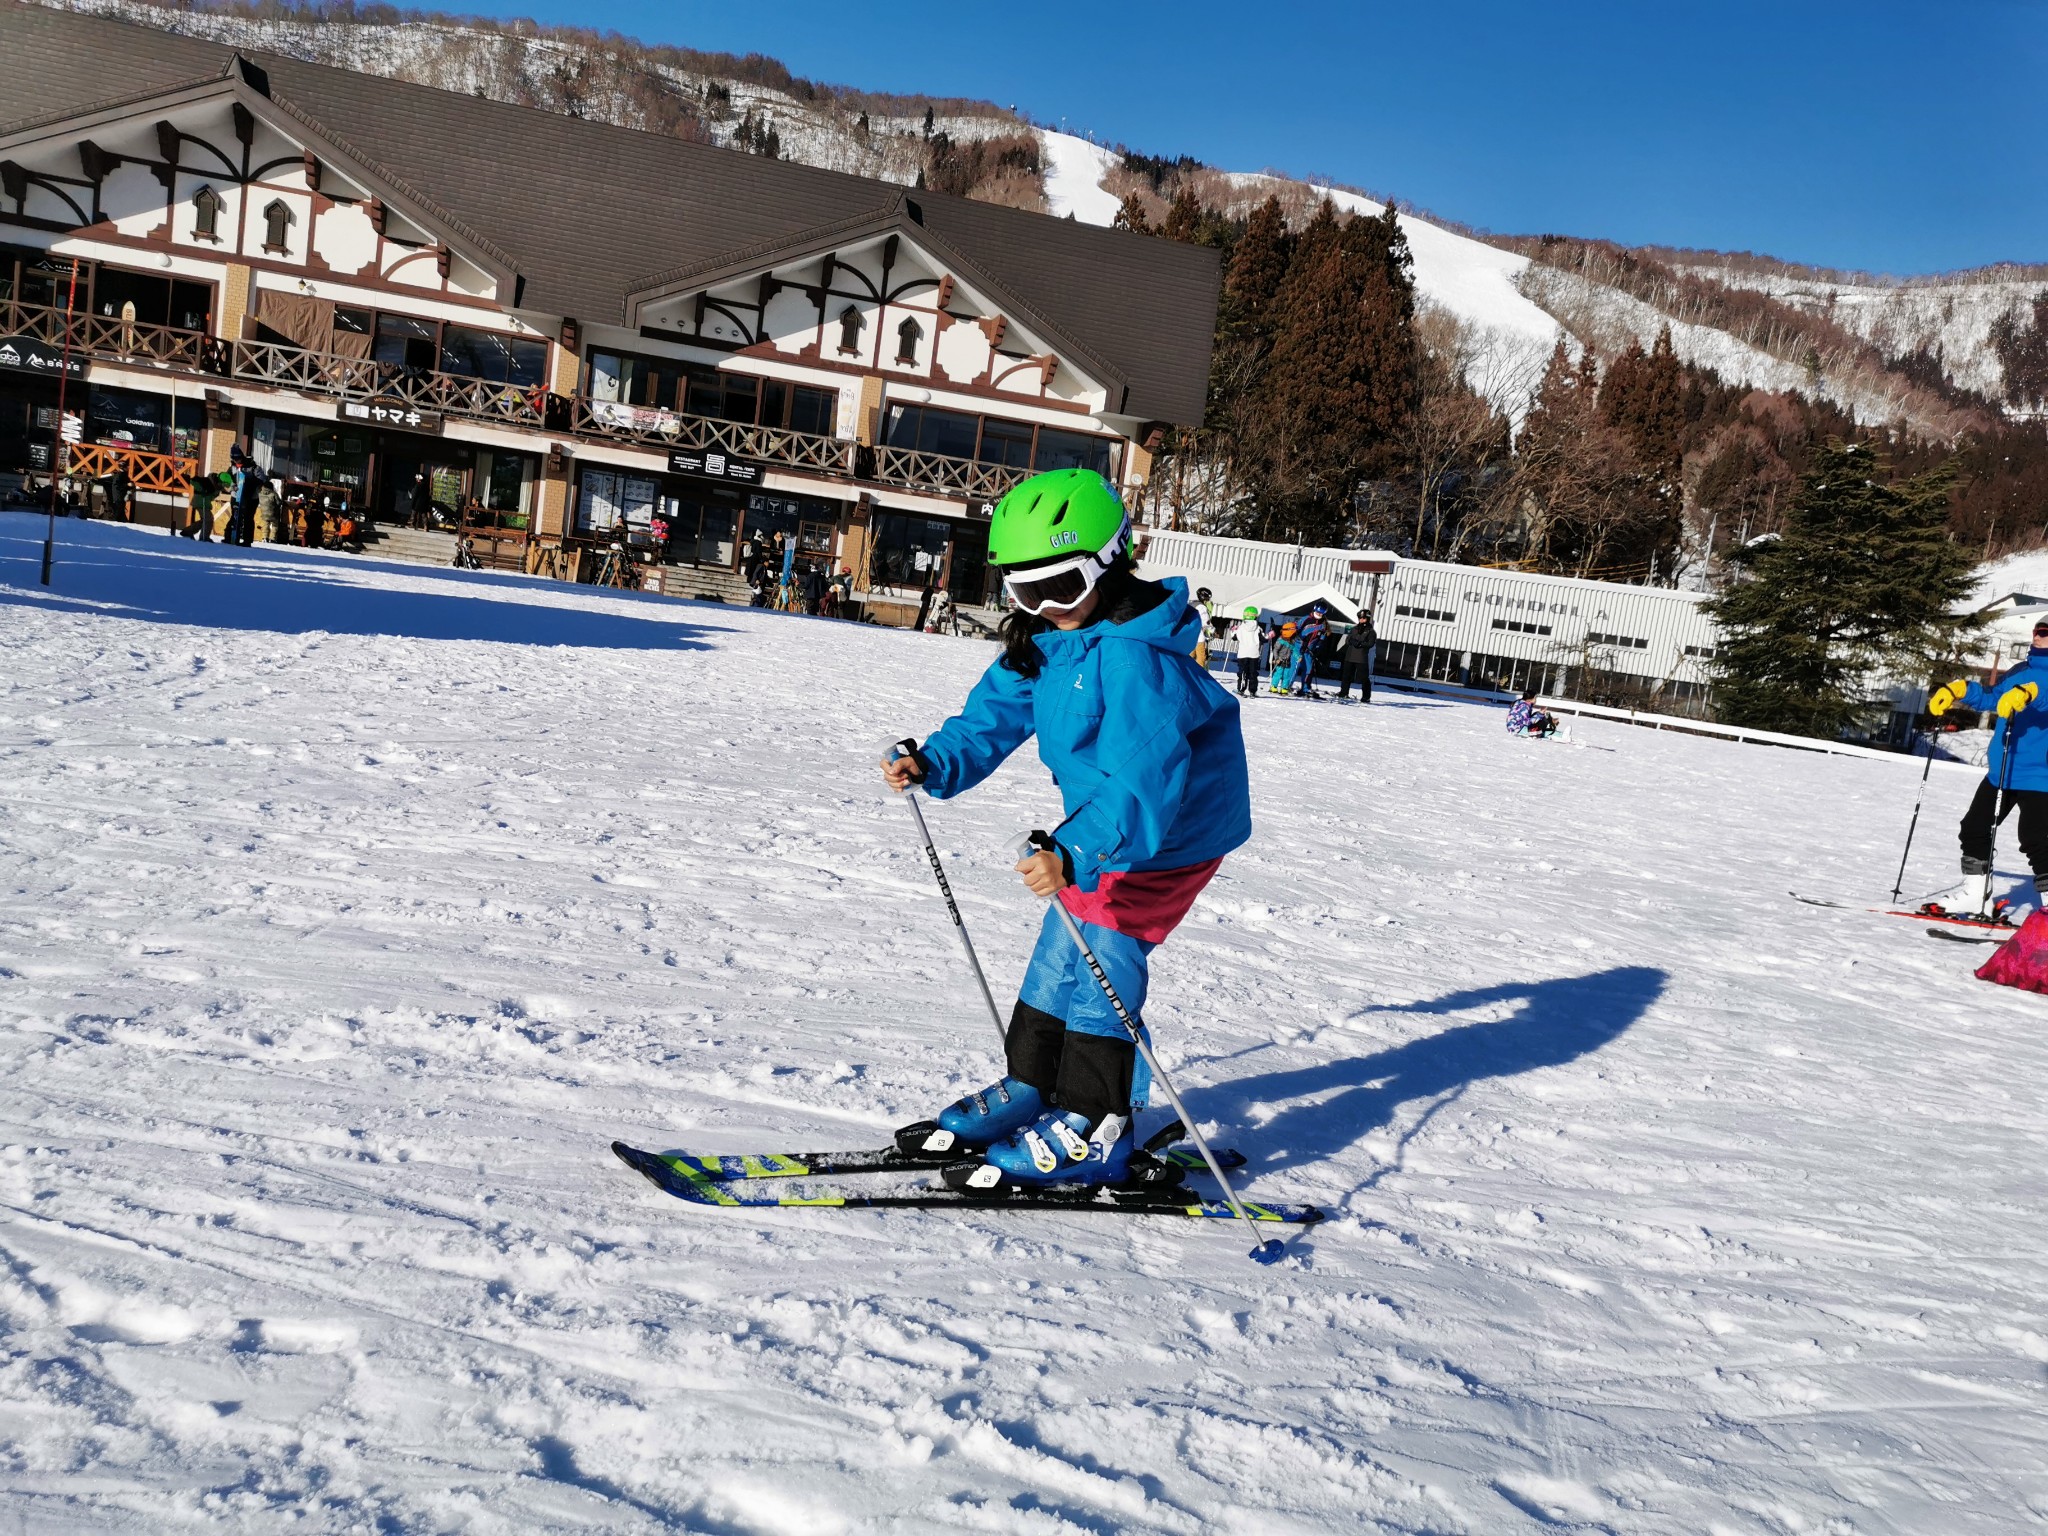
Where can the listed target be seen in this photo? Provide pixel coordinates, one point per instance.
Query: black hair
(1019, 630)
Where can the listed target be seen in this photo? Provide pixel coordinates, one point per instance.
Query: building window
(927, 430)
(850, 324)
(908, 334)
(206, 207)
(1518, 627)
(277, 224)
(1071, 450)
(478, 354)
(1620, 642)
(1434, 615)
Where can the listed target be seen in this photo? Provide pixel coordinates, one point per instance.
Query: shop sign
(709, 464)
(391, 413)
(24, 354)
(983, 507)
(39, 455)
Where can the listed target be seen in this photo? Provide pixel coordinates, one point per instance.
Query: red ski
(1929, 912)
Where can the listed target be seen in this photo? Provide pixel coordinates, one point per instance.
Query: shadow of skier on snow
(114, 570)
(1558, 1021)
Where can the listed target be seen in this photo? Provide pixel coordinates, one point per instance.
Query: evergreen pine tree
(1256, 270)
(1130, 214)
(1183, 217)
(1862, 584)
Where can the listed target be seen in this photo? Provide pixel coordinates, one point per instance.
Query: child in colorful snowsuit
(1284, 651)
(1146, 751)
(1525, 719)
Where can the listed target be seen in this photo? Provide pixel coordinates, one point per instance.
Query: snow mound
(353, 909)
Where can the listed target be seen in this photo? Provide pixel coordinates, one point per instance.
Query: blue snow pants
(1058, 982)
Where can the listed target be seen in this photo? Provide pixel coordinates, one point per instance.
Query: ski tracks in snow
(331, 960)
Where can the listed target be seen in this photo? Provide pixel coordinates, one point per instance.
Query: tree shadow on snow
(1556, 1022)
(124, 572)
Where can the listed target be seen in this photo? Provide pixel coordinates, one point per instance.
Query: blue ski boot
(1059, 1147)
(970, 1124)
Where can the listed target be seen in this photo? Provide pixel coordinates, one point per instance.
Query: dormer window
(908, 335)
(277, 224)
(850, 324)
(206, 207)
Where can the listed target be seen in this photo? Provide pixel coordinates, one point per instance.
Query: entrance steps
(422, 546)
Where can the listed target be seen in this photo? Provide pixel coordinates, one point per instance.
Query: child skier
(2021, 736)
(1146, 751)
(1309, 650)
(1284, 650)
(1247, 640)
(1525, 719)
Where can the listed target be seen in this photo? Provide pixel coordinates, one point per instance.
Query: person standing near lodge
(422, 500)
(1205, 609)
(2016, 772)
(1354, 659)
(242, 506)
(1315, 629)
(199, 509)
(1247, 639)
(270, 507)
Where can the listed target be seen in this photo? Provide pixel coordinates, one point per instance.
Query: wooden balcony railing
(160, 472)
(362, 378)
(944, 474)
(128, 341)
(740, 440)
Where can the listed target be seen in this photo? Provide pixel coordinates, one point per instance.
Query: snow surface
(1074, 169)
(351, 909)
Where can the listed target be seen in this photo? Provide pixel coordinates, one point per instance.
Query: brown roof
(585, 210)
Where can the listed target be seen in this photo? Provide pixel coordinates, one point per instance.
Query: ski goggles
(1061, 585)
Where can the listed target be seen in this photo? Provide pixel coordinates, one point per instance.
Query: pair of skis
(1958, 927)
(1155, 1187)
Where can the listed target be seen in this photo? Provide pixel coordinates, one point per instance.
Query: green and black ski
(685, 1177)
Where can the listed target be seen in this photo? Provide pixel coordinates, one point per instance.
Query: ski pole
(1264, 1250)
(1899, 884)
(906, 748)
(1998, 804)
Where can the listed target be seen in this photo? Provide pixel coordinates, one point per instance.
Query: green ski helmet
(1057, 516)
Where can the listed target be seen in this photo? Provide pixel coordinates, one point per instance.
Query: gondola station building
(553, 326)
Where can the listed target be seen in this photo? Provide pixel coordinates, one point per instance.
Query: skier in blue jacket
(2016, 772)
(1150, 765)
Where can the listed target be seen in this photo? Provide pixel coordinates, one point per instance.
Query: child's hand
(901, 772)
(1043, 872)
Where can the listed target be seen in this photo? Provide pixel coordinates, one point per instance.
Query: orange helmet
(1286, 631)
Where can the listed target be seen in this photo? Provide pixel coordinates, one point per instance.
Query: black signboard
(710, 464)
(391, 413)
(983, 507)
(24, 354)
(39, 455)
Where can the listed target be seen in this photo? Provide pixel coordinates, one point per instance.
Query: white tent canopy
(1295, 597)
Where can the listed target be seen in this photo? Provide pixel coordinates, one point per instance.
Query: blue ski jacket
(2026, 733)
(1143, 744)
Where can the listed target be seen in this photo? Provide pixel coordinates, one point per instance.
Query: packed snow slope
(347, 912)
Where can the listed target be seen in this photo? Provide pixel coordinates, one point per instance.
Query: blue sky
(1888, 137)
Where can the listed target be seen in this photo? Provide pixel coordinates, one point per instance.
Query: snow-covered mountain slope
(1952, 319)
(351, 910)
(1074, 169)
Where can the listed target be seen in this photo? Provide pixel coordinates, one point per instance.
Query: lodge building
(558, 324)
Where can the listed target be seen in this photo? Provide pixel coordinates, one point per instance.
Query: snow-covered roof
(1298, 597)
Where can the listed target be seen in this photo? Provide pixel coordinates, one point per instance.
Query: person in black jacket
(1354, 655)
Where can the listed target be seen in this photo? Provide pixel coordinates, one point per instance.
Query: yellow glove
(1947, 696)
(2015, 699)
